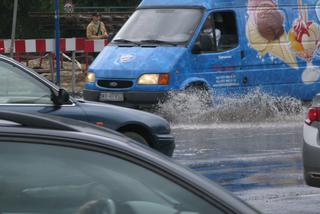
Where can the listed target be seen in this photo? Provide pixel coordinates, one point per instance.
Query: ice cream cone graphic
(310, 74)
(280, 49)
(266, 33)
(304, 38)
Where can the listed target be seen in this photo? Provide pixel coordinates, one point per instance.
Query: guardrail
(103, 9)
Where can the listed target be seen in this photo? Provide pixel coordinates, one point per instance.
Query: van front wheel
(202, 93)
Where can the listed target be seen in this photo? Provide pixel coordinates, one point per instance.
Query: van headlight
(91, 77)
(154, 79)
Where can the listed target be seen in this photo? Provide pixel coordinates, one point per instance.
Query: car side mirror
(60, 99)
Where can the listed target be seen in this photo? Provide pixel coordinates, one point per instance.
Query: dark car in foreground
(50, 165)
(311, 144)
(24, 90)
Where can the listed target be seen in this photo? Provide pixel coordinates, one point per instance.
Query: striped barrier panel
(48, 45)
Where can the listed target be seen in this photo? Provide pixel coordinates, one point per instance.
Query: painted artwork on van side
(267, 35)
(266, 32)
(304, 37)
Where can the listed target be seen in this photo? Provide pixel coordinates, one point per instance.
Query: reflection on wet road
(260, 163)
(238, 175)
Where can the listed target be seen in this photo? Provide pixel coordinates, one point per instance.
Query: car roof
(17, 125)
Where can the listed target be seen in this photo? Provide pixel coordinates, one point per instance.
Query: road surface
(260, 162)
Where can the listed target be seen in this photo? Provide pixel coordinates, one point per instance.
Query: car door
(22, 90)
(216, 54)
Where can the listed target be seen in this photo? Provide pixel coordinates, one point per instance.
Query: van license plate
(111, 96)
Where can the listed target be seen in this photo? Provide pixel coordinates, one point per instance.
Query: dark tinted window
(219, 33)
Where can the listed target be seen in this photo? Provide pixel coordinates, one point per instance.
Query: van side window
(219, 33)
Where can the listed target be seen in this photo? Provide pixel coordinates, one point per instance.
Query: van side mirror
(60, 99)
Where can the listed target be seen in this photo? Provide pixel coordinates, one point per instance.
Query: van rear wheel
(137, 137)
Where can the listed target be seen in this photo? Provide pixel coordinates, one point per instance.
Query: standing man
(96, 29)
(209, 31)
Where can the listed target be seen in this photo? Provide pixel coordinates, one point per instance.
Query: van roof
(207, 4)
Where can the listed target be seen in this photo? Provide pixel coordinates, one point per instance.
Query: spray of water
(256, 106)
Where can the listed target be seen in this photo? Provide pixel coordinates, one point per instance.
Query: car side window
(18, 87)
(38, 178)
(218, 34)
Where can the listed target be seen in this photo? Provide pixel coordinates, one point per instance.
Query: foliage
(27, 28)
(90, 3)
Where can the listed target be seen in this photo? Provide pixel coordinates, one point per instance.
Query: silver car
(311, 144)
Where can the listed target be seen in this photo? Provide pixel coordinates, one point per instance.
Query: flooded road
(259, 162)
(250, 144)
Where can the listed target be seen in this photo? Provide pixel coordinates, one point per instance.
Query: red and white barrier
(48, 45)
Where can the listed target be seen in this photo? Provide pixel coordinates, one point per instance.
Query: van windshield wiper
(125, 41)
(156, 41)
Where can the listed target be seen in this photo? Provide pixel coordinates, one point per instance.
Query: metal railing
(104, 9)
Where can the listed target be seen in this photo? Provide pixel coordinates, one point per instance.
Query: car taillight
(313, 115)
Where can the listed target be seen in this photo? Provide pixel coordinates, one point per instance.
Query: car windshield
(172, 26)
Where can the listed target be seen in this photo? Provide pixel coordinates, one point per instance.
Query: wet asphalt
(259, 162)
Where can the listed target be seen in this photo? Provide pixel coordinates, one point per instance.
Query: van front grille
(115, 83)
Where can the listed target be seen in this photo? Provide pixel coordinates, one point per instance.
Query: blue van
(222, 46)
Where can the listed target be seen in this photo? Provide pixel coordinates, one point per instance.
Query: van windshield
(160, 26)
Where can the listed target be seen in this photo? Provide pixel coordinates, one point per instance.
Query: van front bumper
(131, 98)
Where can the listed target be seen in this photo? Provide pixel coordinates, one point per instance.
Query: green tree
(28, 28)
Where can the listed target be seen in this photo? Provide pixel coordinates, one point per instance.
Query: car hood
(115, 117)
(131, 62)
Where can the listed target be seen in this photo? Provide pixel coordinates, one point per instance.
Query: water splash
(189, 108)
